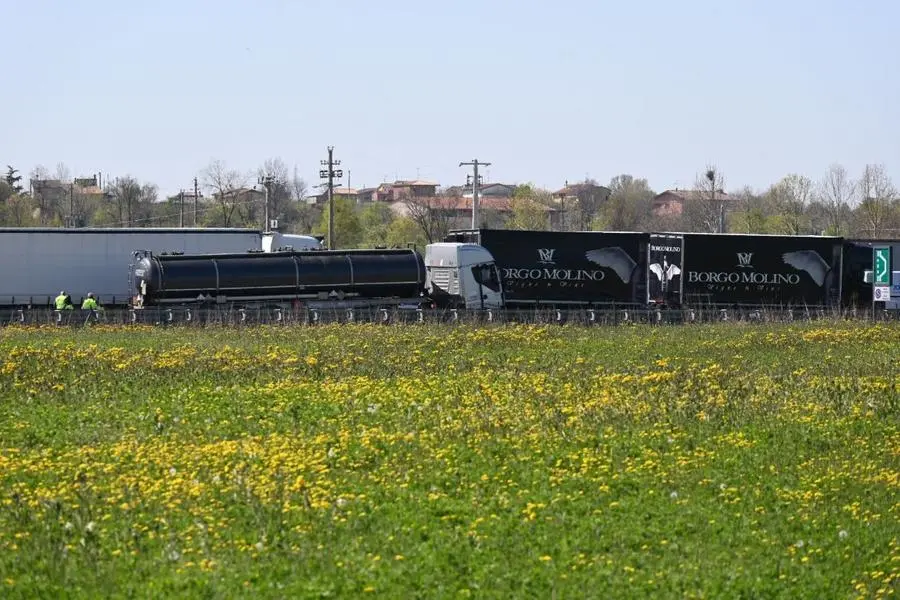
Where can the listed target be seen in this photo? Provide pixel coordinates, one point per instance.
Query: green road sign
(882, 266)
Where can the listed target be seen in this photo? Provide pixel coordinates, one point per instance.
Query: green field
(720, 461)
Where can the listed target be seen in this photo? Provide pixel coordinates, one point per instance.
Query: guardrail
(237, 317)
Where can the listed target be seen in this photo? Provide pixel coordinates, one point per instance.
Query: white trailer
(37, 263)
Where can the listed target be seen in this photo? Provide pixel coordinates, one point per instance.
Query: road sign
(881, 275)
(881, 262)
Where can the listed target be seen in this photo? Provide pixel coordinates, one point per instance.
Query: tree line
(866, 206)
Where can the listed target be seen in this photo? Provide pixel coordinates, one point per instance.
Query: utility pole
(181, 218)
(475, 182)
(72, 204)
(196, 195)
(330, 174)
(267, 182)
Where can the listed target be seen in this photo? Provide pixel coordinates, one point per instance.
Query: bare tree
(299, 187)
(877, 193)
(224, 184)
(62, 173)
(704, 208)
(836, 191)
(280, 190)
(433, 215)
(44, 193)
(131, 200)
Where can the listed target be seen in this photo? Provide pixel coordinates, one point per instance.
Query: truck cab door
(490, 288)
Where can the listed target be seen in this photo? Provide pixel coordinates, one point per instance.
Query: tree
(280, 190)
(347, 228)
(12, 179)
(836, 192)
(299, 187)
(877, 194)
(404, 231)
(790, 198)
(45, 194)
(629, 205)
(433, 215)
(18, 210)
(750, 212)
(131, 200)
(529, 207)
(704, 209)
(375, 219)
(224, 184)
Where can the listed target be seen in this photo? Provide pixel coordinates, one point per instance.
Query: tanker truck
(451, 275)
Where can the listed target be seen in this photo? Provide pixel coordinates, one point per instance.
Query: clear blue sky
(546, 91)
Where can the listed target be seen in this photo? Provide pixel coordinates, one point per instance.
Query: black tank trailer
(258, 277)
(758, 270)
(566, 268)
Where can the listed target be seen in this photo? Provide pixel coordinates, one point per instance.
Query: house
(588, 192)
(492, 190)
(241, 194)
(398, 190)
(339, 192)
(670, 203)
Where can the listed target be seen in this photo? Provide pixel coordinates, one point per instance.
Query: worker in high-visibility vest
(64, 302)
(90, 304)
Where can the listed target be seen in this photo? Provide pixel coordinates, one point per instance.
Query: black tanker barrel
(259, 272)
(365, 273)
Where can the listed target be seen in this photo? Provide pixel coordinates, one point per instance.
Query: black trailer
(565, 268)
(759, 270)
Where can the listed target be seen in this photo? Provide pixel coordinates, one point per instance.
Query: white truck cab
(462, 275)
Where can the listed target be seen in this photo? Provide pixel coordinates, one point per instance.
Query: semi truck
(451, 275)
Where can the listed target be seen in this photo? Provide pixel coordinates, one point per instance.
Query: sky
(547, 92)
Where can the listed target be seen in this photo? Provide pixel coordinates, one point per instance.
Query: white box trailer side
(36, 264)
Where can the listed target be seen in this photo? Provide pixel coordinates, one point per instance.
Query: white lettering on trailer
(554, 274)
